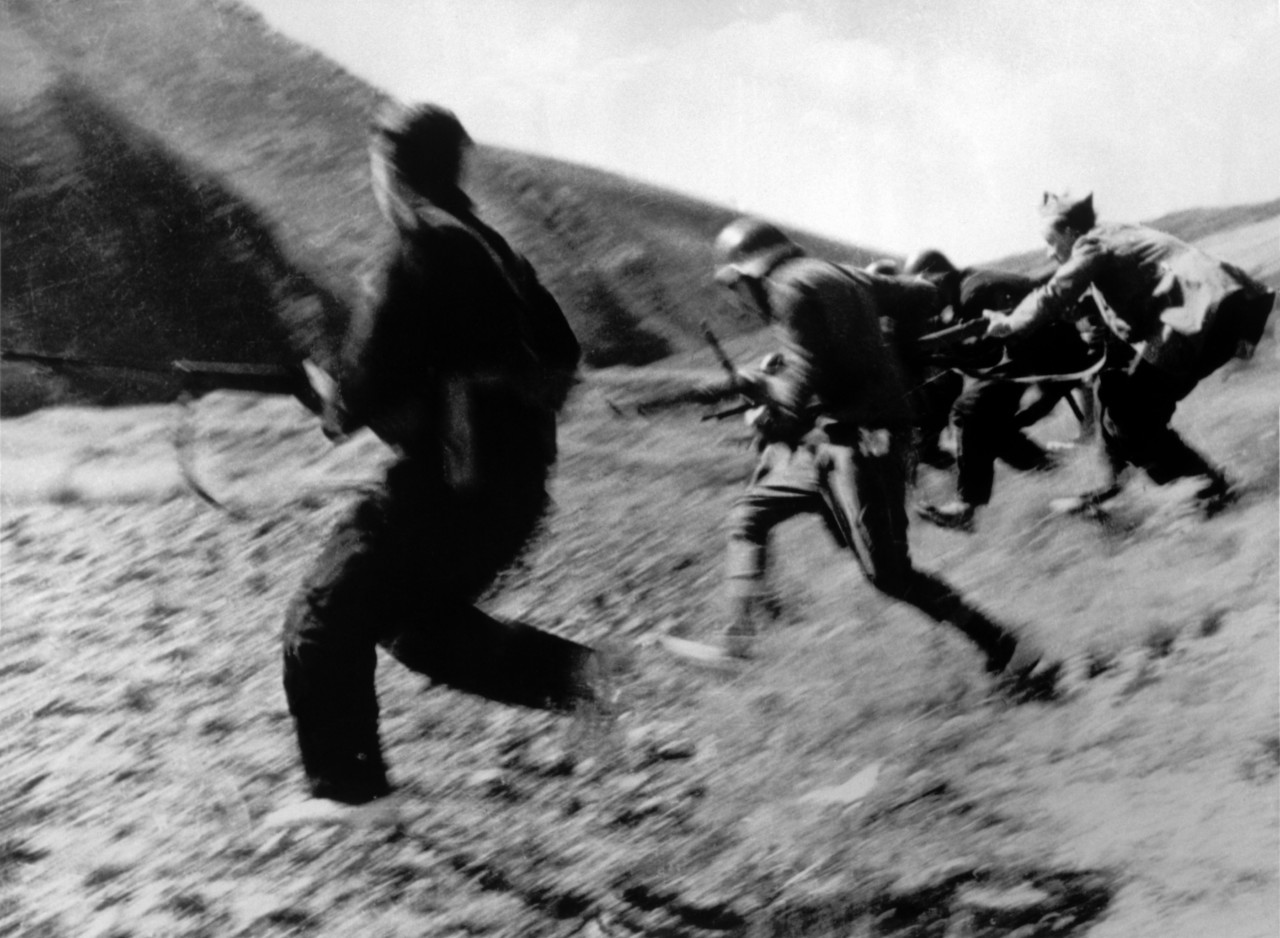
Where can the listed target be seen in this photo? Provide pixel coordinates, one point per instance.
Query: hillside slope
(180, 181)
(855, 779)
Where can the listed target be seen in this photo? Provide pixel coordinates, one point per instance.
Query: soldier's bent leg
(934, 399)
(1136, 411)
(987, 429)
(784, 485)
(330, 635)
(458, 645)
(866, 495)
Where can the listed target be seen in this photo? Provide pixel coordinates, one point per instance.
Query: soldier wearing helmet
(987, 417)
(884, 267)
(934, 388)
(842, 425)
(926, 262)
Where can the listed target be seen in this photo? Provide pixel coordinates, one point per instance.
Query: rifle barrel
(721, 356)
(205, 375)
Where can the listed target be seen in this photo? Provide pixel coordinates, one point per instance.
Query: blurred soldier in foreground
(839, 426)
(1184, 313)
(460, 361)
(989, 424)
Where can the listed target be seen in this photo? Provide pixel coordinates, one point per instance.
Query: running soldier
(461, 362)
(987, 416)
(1184, 313)
(839, 426)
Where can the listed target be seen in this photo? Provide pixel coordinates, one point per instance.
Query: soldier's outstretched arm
(704, 392)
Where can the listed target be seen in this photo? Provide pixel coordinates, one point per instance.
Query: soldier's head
(1065, 220)
(884, 267)
(421, 148)
(747, 250)
(928, 262)
(935, 267)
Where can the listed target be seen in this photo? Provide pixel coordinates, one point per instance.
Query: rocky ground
(857, 780)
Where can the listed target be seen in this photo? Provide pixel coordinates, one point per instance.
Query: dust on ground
(857, 779)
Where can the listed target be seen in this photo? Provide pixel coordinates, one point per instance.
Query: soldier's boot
(745, 613)
(747, 605)
(1218, 493)
(381, 813)
(1092, 502)
(955, 515)
(596, 682)
(1023, 671)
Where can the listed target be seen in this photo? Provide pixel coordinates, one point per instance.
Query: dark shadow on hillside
(115, 248)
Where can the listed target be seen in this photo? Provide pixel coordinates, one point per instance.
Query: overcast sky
(893, 124)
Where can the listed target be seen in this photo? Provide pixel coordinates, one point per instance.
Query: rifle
(197, 377)
(703, 393)
(748, 391)
(732, 384)
(936, 345)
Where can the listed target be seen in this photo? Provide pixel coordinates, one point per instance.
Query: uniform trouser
(1138, 405)
(987, 429)
(401, 570)
(1136, 409)
(935, 395)
(861, 498)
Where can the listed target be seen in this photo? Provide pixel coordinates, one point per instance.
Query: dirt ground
(858, 779)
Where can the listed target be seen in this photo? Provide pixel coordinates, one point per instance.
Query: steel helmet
(748, 247)
(885, 267)
(928, 261)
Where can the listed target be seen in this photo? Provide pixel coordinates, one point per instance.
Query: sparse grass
(171, 736)
(145, 732)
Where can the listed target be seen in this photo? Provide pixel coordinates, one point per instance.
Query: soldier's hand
(712, 389)
(326, 394)
(1239, 362)
(998, 326)
(764, 420)
(773, 363)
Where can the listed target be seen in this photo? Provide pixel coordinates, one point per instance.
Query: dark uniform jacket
(1157, 293)
(840, 363)
(462, 358)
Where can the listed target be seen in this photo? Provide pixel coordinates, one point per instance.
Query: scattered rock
(931, 880)
(1160, 639)
(1262, 762)
(676, 749)
(1212, 622)
(1005, 907)
(494, 783)
(851, 792)
(1141, 677)
(630, 784)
